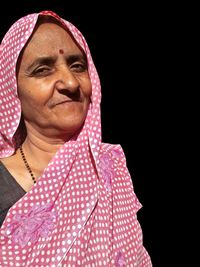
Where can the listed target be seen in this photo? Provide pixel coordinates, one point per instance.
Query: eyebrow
(41, 61)
(50, 60)
(76, 57)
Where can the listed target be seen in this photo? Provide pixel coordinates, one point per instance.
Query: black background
(131, 52)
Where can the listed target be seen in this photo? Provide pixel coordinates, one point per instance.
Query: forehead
(51, 37)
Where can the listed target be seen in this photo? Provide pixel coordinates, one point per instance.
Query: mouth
(62, 102)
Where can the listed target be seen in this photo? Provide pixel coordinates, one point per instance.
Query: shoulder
(115, 151)
(11, 163)
(112, 148)
(114, 166)
(7, 161)
(112, 154)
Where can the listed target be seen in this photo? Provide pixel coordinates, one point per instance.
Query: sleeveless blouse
(10, 191)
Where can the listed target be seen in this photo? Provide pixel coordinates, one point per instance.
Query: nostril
(67, 84)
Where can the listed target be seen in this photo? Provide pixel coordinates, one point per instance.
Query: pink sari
(83, 209)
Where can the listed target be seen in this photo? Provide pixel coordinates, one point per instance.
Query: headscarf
(83, 209)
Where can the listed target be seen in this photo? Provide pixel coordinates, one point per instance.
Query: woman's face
(53, 82)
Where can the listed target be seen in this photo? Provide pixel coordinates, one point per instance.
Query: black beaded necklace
(27, 165)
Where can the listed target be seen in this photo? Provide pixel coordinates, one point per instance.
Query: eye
(40, 71)
(79, 66)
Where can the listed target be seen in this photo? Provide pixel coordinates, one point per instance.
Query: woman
(66, 198)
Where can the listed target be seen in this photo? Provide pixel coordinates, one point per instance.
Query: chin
(72, 126)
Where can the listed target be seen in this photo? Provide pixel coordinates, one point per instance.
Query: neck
(40, 149)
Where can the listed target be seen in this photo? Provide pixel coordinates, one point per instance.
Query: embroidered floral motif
(117, 153)
(38, 222)
(106, 165)
(120, 260)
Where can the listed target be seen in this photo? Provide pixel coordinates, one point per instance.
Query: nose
(66, 80)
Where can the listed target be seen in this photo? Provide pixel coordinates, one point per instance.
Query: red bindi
(61, 51)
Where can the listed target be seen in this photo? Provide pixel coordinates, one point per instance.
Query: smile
(64, 102)
(67, 102)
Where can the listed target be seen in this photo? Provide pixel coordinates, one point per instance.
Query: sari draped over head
(83, 209)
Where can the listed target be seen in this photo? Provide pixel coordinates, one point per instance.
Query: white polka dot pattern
(82, 211)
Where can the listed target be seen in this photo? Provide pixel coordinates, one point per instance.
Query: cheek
(27, 98)
(88, 89)
(33, 93)
(31, 104)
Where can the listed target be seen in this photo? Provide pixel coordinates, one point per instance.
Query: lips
(60, 102)
(63, 102)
